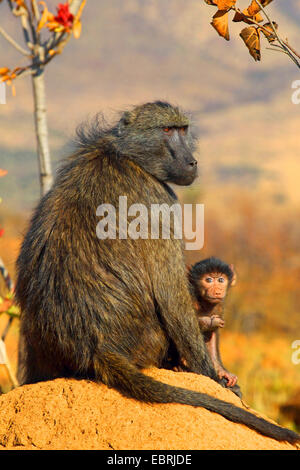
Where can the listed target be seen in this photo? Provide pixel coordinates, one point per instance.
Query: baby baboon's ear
(233, 282)
(188, 268)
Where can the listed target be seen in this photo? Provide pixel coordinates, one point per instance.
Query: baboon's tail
(115, 371)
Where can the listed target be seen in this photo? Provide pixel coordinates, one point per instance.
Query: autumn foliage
(36, 17)
(253, 16)
(63, 21)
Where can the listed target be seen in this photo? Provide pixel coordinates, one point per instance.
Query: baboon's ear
(126, 118)
(124, 121)
(233, 282)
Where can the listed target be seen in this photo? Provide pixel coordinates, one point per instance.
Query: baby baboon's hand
(231, 378)
(217, 322)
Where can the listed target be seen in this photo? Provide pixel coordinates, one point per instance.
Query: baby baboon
(210, 281)
(105, 308)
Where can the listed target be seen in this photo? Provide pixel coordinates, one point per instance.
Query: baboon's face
(180, 165)
(157, 137)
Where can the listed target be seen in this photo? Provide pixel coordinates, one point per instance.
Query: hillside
(142, 50)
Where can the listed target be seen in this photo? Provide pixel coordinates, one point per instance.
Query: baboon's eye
(168, 130)
(182, 130)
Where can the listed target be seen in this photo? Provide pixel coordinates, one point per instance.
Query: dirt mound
(73, 414)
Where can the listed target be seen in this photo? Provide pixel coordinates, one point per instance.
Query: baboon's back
(78, 292)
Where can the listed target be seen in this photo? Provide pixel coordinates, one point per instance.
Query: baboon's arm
(178, 315)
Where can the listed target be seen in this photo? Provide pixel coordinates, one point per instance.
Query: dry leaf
(225, 4)
(255, 8)
(239, 17)
(270, 36)
(220, 23)
(251, 38)
(258, 18)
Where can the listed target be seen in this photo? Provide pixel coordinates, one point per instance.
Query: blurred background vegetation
(140, 50)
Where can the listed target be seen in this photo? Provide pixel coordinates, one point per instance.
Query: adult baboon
(105, 309)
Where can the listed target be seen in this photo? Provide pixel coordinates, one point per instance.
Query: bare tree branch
(283, 44)
(14, 43)
(285, 47)
(35, 10)
(291, 48)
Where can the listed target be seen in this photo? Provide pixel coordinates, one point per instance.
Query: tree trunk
(40, 119)
(40, 114)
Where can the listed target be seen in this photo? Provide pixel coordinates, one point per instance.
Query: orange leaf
(255, 8)
(270, 36)
(220, 23)
(46, 16)
(55, 26)
(4, 70)
(251, 38)
(77, 29)
(258, 18)
(225, 4)
(43, 20)
(239, 17)
(3, 172)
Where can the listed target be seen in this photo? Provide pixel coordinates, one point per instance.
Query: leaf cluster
(252, 16)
